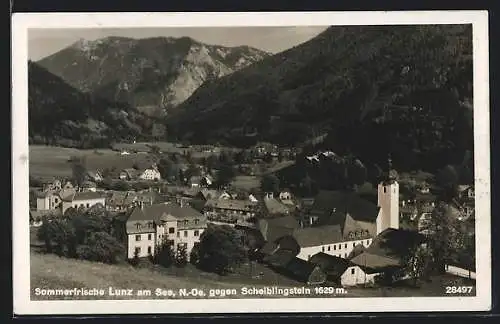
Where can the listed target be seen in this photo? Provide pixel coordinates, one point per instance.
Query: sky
(44, 42)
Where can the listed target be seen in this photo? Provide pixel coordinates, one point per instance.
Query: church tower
(388, 200)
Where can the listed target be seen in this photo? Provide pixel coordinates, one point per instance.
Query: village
(342, 237)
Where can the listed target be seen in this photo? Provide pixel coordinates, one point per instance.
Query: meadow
(246, 182)
(46, 162)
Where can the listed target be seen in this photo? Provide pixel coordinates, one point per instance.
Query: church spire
(390, 174)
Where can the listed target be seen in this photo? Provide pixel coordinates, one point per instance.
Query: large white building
(84, 199)
(150, 226)
(64, 197)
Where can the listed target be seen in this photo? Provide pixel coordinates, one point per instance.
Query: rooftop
(333, 206)
(315, 236)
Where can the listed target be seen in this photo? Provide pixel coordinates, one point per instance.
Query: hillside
(152, 74)
(77, 274)
(60, 114)
(407, 89)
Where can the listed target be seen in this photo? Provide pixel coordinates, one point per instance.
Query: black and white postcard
(251, 162)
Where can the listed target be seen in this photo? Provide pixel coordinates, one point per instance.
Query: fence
(464, 273)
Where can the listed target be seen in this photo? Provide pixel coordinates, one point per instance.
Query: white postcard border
(21, 22)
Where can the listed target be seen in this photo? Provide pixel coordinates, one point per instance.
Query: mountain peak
(154, 73)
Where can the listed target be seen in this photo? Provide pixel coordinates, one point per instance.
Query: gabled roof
(131, 172)
(275, 228)
(86, 195)
(330, 264)
(279, 258)
(374, 262)
(269, 248)
(389, 249)
(395, 243)
(232, 204)
(274, 206)
(333, 206)
(300, 269)
(158, 211)
(316, 236)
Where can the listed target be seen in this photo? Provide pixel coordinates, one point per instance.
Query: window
(309, 257)
(185, 233)
(171, 230)
(385, 189)
(149, 237)
(196, 233)
(354, 244)
(328, 247)
(88, 205)
(196, 221)
(367, 242)
(137, 237)
(178, 234)
(345, 246)
(322, 249)
(56, 200)
(353, 271)
(137, 250)
(345, 255)
(334, 247)
(138, 226)
(149, 249)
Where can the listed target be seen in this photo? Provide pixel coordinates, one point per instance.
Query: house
(326, 238)
(466, 192)
(82, 200)
(343, 272)
(230, 210)
(150, 226)
(150, 174)
(120, 201)
(128, 174)
(116, 201)
(48, 200)
(389, 250)
(54, 185)
(94, 176)
(304, 271)
(200, 181)
(285, 195)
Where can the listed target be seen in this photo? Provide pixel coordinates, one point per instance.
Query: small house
(343, 272)
(128, 174)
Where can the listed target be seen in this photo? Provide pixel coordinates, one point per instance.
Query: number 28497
(459, 289)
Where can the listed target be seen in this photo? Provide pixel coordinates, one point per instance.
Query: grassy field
(51, 161)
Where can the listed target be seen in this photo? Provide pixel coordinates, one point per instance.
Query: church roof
(332, 207)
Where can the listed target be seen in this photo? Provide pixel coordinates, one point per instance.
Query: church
(341, 222)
